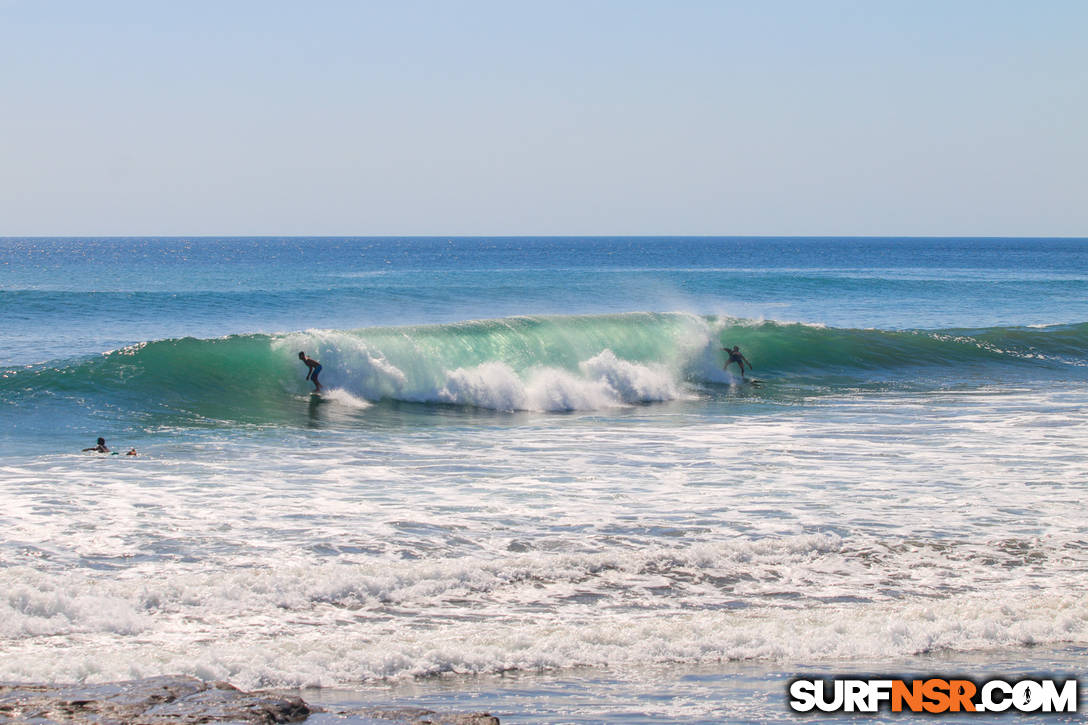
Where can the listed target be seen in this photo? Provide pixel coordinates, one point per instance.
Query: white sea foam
(873, 526)
(631, 382)
(604, 382)
(324, 626)
(345, 399)
(599, 382)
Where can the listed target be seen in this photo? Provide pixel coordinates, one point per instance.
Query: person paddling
(315, 369)
(736, 357)
(100, 448)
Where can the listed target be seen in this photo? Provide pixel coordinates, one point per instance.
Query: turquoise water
(530, 460)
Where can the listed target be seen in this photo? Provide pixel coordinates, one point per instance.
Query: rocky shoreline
(179, 699)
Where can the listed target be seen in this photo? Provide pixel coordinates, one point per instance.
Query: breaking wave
(554, 363)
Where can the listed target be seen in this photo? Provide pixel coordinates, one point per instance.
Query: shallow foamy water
(848, 529)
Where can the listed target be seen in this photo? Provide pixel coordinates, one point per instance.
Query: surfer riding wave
(314, 370)
(735, 356)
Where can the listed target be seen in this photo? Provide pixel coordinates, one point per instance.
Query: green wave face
(531, 363)
(793, 349)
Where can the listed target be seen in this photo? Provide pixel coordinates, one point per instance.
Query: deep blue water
(65, 297)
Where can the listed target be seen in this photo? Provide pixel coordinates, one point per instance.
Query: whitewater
(531, 483)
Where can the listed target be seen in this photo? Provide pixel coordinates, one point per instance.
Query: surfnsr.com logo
(935, 695)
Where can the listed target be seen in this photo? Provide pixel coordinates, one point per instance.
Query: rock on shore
(168, 699)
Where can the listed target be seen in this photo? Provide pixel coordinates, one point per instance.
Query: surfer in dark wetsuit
(100, 448)
(315, 368)
(736, 357)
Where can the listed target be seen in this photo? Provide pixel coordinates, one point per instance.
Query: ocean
(530, 486)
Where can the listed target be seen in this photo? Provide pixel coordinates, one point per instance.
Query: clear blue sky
(553, 117)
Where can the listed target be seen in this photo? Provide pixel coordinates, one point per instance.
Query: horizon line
(538, 236)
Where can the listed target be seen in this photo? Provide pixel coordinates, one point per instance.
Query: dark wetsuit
(736, 357)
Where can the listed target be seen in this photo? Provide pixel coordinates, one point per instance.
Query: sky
(590, 117)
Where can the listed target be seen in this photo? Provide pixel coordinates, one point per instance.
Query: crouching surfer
(736, 357)
(314, 369)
